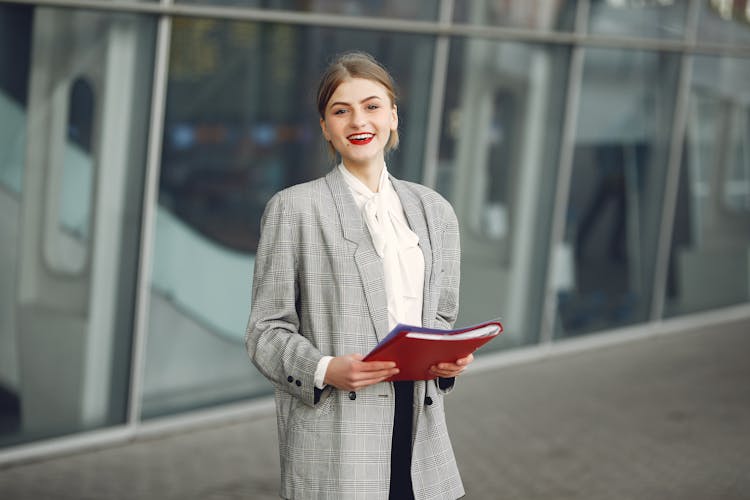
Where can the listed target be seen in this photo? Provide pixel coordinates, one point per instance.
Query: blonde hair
(355, 65)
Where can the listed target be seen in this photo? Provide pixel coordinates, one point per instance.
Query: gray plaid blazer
(319, 290)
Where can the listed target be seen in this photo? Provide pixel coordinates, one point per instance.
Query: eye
(339, 111)
(372, 106)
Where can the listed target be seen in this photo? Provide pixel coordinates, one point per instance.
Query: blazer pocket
(304, 416)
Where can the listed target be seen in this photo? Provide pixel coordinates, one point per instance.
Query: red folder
(416, 349)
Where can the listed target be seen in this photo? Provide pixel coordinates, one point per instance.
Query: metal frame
(672, 184)
(148, 218)
(440, 28)
(437, 99)
(564, 175)
(134, 428)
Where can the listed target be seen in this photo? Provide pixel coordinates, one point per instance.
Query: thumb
(356, 356)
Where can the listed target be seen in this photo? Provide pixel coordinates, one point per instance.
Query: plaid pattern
(319, 290)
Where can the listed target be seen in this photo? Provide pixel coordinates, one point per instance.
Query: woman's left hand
(448, 370)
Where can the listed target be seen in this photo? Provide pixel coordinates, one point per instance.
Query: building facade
(597, 154)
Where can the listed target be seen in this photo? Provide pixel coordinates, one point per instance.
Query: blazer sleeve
(447, 307)
(273, 340)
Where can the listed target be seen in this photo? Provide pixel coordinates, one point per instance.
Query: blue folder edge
(420, 329)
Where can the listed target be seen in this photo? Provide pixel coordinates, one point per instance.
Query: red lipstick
(361, 139)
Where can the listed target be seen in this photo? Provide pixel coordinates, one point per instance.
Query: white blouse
(398, 247)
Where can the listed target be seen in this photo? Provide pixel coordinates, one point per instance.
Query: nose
(357, 118)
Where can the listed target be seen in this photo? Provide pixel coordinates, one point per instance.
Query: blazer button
(352, 395)
(428, 400)
(297, 383)
(290, 379)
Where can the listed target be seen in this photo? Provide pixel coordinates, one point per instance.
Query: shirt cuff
(320, 372)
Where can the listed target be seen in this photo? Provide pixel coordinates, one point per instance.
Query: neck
(369, 175)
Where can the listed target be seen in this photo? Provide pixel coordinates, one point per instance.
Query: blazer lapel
(366, 258)
(416, 217)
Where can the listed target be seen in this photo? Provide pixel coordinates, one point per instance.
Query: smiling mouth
(361, 139)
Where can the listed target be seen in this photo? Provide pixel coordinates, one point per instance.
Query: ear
(325, 130)
(394, 118)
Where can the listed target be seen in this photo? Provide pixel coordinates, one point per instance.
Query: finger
(451, 367)
(377, 365)
(369, 376)
(381, 374)
(461, 362)
(465, 360)
(374, 380)
(446, 373)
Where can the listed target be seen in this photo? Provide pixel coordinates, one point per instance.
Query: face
(359, 119)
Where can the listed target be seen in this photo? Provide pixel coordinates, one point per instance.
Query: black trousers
(401, 487)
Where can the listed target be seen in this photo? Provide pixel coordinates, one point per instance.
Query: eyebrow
(340, 103)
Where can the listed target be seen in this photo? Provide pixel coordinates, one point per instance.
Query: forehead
(353, 90)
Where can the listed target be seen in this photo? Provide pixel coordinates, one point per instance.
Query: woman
(340, 261)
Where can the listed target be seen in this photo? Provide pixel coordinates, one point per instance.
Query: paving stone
(663, 418)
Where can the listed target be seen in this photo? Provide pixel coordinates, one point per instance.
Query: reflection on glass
(241, 124)
(736, 192)
(73, 180)
(542, 15)
(15, 31)
(639, 18)
(424, 10)
(710, 255)
(723, 21)
(498, 153)
(619, 166)
(74, 84)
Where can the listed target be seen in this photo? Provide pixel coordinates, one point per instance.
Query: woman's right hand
(351, 373)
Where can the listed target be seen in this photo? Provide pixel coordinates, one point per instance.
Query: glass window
(241, 124)
(724, 21)
(709, 263)
(643, 18)
(72, 183)
(619, 166)
(498, 158)
(15, 54)
(74, 99)
(736, 175)
(423, 10)
(543, 15)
